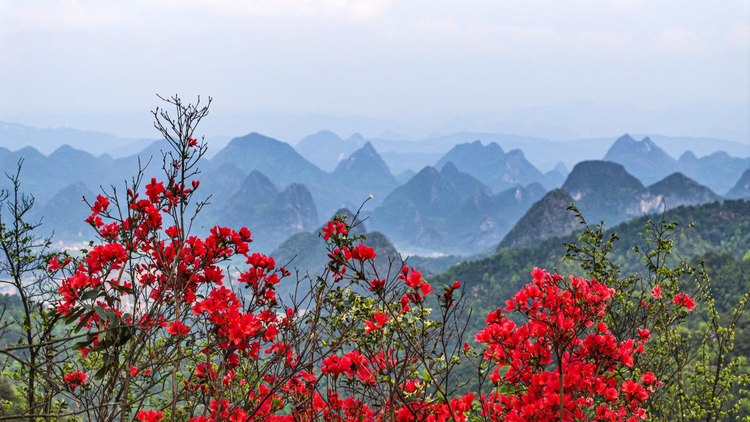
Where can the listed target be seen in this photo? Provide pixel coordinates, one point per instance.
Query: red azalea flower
(377, 284)
(75, 379)
(634, 392)
(149, 416)
(177, 328)
(644, 334)
(363, 253)
(683, 299)
(376, 323)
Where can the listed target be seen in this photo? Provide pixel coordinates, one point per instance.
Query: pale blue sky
(382, 58)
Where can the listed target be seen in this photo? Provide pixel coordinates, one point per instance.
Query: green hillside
(719, 228)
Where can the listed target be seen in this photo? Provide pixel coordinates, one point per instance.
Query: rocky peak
(742, 188)
(688, 157)
(561, 168)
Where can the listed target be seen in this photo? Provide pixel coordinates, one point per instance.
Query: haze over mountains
(649, 163)
(393, 140)
(471, 195)
(709, 121)
(741, 190)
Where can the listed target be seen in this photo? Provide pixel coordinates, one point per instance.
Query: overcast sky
(370, 57)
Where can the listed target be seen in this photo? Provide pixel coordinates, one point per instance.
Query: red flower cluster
(149, 416)
(178, 328)
(334, 228)
(352, 364)
(75, 379)
(683, 299)
(146, 277)
(418, 288)
(376, 323)
(561, 361)
(448, 295)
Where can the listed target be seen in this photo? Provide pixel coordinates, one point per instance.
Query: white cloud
(294, 53)
(62, 15)
(91, 15)
(628, 6)
(679, 41)
(477, 37)
(739, 35)
(615, 42)
(339, 9)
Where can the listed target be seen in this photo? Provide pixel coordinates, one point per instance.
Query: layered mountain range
(603, 191)
(470, 199)
(451, 211)
(649, 163)
(498, 169)
(273, 215)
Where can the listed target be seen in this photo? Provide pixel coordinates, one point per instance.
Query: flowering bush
(562, 363)
(160, 331)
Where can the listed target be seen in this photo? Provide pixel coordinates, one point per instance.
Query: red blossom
(75, 379)
(149, 416)
(562, 327)
(377, 285)
(363, 253)
(683, 299)
(334, 228)
(376, 323)
(178, 328)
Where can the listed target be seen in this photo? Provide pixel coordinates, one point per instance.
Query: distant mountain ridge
(277, 160)
(677, 189)
(649, 163)
(548, 217)
(643, 158)
(222, 177)
(348, 185)
(66, 212)
(450, 211)
(272, 216)
(326, 150)
(461, 215)
(47, 140)
(741, 189)
(484, 220)
(366, 170)
(603, 191)
(493, 166)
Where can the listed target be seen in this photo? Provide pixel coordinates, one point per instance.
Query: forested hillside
(720, 228)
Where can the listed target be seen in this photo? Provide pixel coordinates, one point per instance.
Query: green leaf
(72, 317)
(101, 372)
(84, 321)
(91, 294)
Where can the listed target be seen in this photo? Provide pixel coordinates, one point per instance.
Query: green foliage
(720, 228)
(693, 354)
(702, 379)
(10, 403)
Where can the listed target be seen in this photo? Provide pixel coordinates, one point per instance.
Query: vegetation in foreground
(146, 325)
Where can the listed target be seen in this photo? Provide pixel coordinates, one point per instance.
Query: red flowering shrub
(167, 335)
(562, 363)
